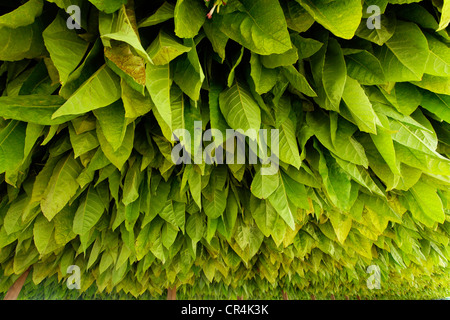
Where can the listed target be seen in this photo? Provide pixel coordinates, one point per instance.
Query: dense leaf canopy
(93, 90)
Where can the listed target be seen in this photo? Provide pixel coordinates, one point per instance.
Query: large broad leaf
(174, 213)
(263, 78)
(135, 103)
(93, 61)
(260, 27)
(360, 107)
(22, 43)
(195, 226)
(365, 68)
(66, 48)
(425, 204)
(83, 142)
(405, 54)
(89, 212)
(165, 48)
(438, 104)
(240, 109)
(438, 63)
(445, 16)
(264, 185)
(42, 233)
(336, 181)
(121, 26)
(298, 81)
(440, 85)
(62, 186)
(297, 18)
(108, 6)
(381, 35)
(159, 81)
(118, 156)
(188, 74)
(343, 145)
(100, 90)
(123, 49)
(280, 201)
(288, 147)
(217, 38)
(12, 144)
(164, 13)
(342, 18)
(189, 18)
(330, 73)
(385, 145)
(113, 123)
(24, 15)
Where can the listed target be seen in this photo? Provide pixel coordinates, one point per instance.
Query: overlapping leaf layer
(90, 103)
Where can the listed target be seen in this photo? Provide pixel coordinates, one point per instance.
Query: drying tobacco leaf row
(87, 117)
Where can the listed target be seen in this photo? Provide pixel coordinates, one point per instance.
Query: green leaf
(61, 187)
(12, 144)
(165, 48)
(188, 74)
(280, 201)
(445, 16)
(288, 147)
(360, 107)
(438, 63)
(89, 212)
(365, 68)
(264, 185)
(404, 97)
(306, 47)
(342, 18)
(405, 54)
(159, 81)
(119, 156)
(381, 35)
(33, 108)
(298, 81)
(264, 78)
(135, 103)
(344, 145)
(239, 109)
(385, 145)
(435, 84)
(163, 13)
(42, 233)
(66, 48)
(22, 43)
(438, 104)
(217, 38)
(63, 222)
(189, 18)
(334, 72)
(195, 227)
(341, 223)
(264, 214)
(121, 26)
(108, 6)
(83, 142)
(297, 18)
(284, 59)
(425, 204)
(24, 15)
(233, 68)
(260, 27)
(100, 90)
(113, 123)
(336, 181)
